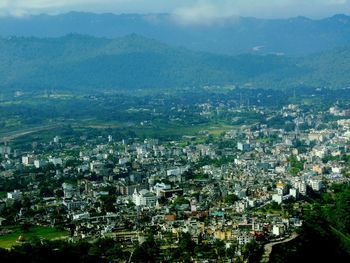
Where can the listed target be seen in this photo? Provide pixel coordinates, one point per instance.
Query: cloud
(204, 13)
(210, 11)
(27, 7)
(186, 11)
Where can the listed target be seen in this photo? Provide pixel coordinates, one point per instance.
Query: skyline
(187, 12)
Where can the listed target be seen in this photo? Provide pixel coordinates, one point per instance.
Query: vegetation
(296, 165)
(104, 250)
(292, 36)
(29, 234)
(77, 62)
(325, 236)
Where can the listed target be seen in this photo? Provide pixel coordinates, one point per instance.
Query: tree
(251, 251)
(147, 251)
(219, 247)
(231, 198)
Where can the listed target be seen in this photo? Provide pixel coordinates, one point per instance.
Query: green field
(47, 233)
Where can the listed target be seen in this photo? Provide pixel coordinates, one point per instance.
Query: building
(5, 150)
(278, 230)
(316, 184)
(277, 198)
(294, 193)
(68, 190)
(281, 188)
(171, 192)
(55, 161)
(144, 198)
(39, 163)
(177, 171)
(160, 186)
(27, 160)
(244, 238)
(125, 189)
(15, 195)
(244, 147)
(81, 216)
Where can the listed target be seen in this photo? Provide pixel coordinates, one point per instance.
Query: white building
(68, 190)
(144, 198)
(16, 195)
(27, 160)
(81, 216)
(96, 166)
(160, 186)
(301, 186)
(294, 192)
(244, 147)
(277, 198)
(39, 163)
(55, 161)
(177, 171)
(316, 184)
(278, 230)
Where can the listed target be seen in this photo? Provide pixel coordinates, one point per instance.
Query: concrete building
(144, 198)
(15, 195)
(244, 147)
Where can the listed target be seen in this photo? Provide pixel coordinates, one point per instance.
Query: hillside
(132, 62)
(232, 36)
(76, 61)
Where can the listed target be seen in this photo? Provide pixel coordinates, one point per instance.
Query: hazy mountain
(84, 62)
(76, 61)
(295, 36)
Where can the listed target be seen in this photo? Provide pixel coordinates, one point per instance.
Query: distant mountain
(294, 36)
(132, 62)
(77, 61)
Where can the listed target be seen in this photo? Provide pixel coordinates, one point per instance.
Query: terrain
(78, 62)
(236, 35)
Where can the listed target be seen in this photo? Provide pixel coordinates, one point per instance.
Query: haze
(188, 11)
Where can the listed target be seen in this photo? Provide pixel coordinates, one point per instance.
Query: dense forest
(77, 62)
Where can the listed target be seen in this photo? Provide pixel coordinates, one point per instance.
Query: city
(224, 193)
(174, 131)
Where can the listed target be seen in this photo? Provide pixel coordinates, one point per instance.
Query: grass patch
(47, 233)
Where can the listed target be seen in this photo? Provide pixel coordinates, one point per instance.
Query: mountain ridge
(85, 62)
(294, 36)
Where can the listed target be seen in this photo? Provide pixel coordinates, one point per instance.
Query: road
(16, 134)
(268, 247)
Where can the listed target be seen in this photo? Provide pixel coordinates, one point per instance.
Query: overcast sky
(188, 11)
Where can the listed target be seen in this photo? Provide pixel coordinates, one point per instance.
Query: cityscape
(174, 131)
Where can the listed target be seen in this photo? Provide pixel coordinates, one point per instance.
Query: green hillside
(132, 62)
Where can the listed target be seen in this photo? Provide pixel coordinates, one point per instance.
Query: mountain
(232, 36)
(79, 62)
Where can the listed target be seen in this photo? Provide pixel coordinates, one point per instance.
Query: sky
(186, 11)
